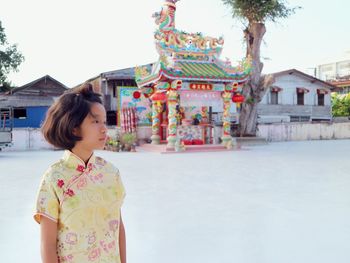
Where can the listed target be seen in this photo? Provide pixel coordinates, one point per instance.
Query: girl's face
(93, 129)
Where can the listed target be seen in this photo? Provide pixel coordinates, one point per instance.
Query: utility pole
(314, 71)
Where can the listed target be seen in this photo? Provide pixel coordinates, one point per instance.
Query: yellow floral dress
(85, 202)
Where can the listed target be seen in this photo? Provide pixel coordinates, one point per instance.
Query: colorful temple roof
(206, 71)
(185, 56)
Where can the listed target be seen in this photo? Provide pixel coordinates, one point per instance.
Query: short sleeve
(120, 188)
(47, 203)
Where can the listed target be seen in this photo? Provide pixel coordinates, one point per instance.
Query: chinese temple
(187, 82)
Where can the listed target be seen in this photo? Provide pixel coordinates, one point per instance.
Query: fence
(31, 138)
(304, 131)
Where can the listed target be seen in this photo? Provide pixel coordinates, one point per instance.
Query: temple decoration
(172, 102)
(226, 118)
(189, 63)
(157, 99)
(238, 99)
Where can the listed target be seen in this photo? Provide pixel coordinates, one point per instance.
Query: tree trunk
(256, 87)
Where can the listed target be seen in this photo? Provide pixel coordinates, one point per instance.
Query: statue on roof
(165, 19)
(185, 55)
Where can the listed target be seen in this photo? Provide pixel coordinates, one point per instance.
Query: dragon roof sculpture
(188, 56)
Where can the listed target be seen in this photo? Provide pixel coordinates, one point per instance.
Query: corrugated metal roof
(306, 76)
(127, 73)
(31, 84)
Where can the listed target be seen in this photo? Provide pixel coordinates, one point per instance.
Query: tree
(340, 105)
(254, 14)
(10, 59)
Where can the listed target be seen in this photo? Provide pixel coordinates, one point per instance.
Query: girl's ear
(76, 131)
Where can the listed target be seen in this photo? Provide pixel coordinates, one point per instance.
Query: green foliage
(128, 138)
(112, 142)
(6, 86)
(250, 100)
(259, 11)
(340, 105)
(10, 59)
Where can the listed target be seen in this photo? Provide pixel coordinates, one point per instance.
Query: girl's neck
(83, 154)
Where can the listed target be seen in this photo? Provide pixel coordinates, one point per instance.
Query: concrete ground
(282, 202)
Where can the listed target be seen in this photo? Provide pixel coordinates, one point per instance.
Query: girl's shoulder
(55, 171)
(105, 165)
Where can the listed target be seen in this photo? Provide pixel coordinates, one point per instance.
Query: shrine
(188, 83)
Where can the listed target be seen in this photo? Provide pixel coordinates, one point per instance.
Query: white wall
(32, 139)
(304, 131)
(25, 139)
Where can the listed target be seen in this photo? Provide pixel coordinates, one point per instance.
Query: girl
(79, 200)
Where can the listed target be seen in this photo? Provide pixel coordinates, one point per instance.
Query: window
(300, 98)
(320, 99)
(274, 97)
(4, 114)
(114, 90)
(299, 118)
(320, 120)
(304, 118)
(20, 113)
(345, 65)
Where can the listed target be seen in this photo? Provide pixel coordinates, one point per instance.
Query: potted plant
(112, 144)
(128, 140)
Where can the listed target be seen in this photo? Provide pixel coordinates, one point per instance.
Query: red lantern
(237, 98)
(136, 94)
(159, 96)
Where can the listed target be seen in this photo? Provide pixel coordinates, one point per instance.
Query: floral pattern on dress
(85, 201)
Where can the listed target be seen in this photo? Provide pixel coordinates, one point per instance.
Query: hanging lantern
(136, 94)
(159, 96)
(237, 98)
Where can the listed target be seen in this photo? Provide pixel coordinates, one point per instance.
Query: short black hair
(67, 113)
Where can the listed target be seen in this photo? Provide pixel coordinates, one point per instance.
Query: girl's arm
(48, 240)
(122, 241)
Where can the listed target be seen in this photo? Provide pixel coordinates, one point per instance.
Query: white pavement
(278, 203)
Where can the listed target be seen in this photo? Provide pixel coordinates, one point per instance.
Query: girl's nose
(104, 128)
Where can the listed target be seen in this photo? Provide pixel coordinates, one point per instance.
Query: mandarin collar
(72, 161)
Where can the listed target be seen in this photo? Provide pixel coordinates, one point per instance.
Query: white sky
(74, 40)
